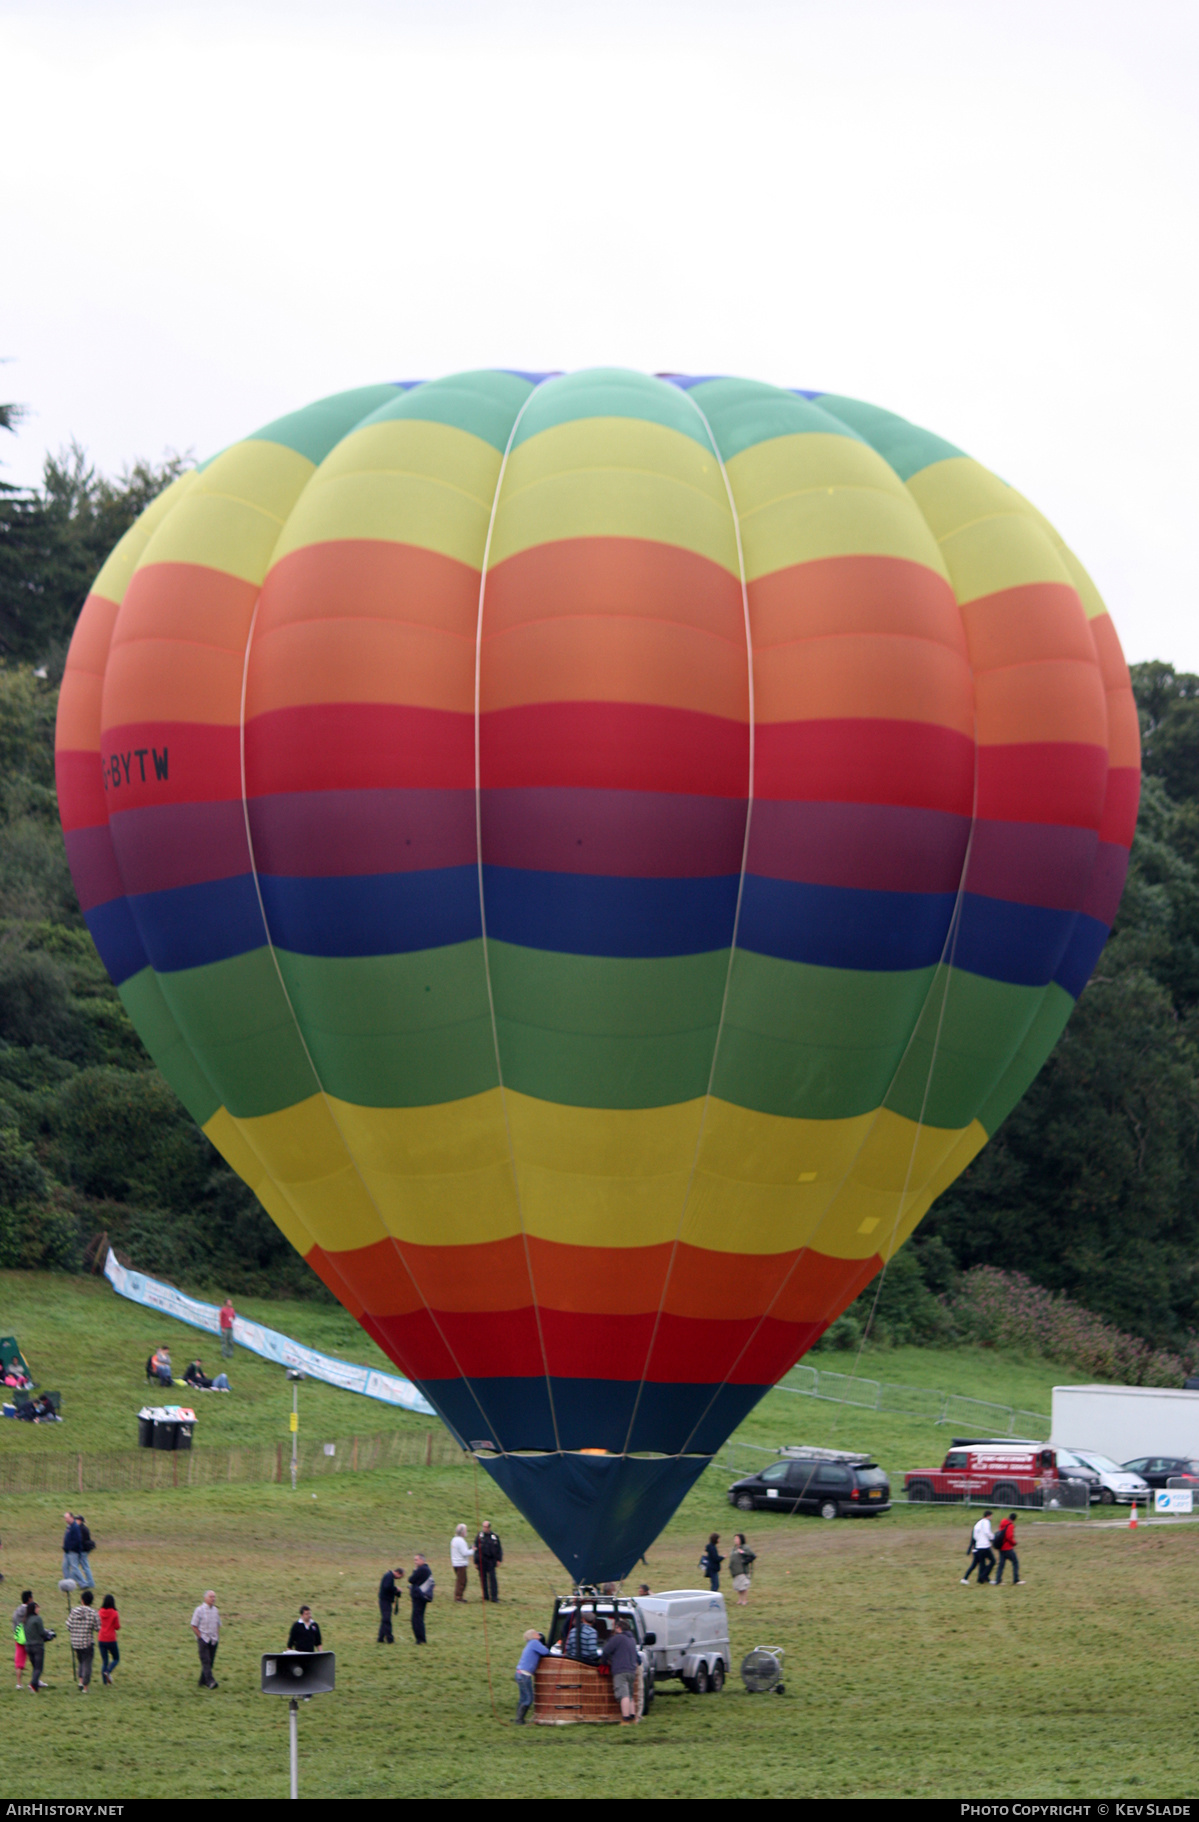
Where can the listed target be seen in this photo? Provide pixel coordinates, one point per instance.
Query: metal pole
(295, 1437)
(294, 1709)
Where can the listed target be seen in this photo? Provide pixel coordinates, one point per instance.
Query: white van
(687, 1635)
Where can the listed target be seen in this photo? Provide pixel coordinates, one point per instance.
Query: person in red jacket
(110, 1625)
(1005, 1543)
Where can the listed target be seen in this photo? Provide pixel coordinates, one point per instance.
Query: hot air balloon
(598, 855)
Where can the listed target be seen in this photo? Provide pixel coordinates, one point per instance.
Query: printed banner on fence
(266, 1342)
(1174, 1499)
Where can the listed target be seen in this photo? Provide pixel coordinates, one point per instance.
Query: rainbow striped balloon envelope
(598, 854)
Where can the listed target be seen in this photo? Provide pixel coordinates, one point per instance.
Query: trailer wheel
(699, 1682)
(716, 1683)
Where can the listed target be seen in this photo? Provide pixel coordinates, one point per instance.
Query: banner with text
(266, 1342)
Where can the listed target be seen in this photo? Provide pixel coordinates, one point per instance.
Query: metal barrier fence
(145, 1470)
(966, 1414)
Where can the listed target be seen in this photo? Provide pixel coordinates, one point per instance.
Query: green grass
(83, 1340)
(899, 1681)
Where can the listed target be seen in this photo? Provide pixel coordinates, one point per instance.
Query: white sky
(980, 215)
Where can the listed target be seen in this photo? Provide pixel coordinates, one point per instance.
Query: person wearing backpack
(74, 1552)
(420, 1587)
(1005, 1543)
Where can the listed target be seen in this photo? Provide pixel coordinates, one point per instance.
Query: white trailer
(690, 1632)
(1126, 1421)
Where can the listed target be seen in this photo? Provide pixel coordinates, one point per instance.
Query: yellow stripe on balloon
(232, 517)
(404, 482)
(989, 536)
(115, 576)
(617, 478)
(601, 1177)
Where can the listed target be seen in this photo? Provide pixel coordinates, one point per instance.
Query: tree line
(1090, 1188)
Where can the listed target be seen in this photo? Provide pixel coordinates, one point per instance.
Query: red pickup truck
(1010, 1473)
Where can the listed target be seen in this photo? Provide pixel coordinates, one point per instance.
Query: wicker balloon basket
(565, 1691)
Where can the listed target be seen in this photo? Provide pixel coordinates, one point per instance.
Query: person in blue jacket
(75, 1565)
(526, 1669)
(710, 1562)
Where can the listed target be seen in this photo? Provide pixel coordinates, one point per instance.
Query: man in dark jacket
(74, 1558)
(488, 1553)
(620, 1654)
(305, 1634)
(420, 1587)
(389, 1594)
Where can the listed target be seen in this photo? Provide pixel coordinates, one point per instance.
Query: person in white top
(206, 1624)
(461, 1557)
(982, 1557)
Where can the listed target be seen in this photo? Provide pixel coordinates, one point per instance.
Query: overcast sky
(982, 216)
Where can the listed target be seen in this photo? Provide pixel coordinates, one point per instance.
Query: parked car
(1160, 1470)
(1009, 1471)
(1071, 1466)
(1117, 1485)
(816, 1480)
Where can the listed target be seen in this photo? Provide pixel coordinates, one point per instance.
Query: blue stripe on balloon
(116, 937)
(1082, 952)
(190, 926)
(1020, 944)
(586, 914)
(593, 1413)
(840, 927)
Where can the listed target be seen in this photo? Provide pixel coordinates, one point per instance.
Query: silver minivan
(1117, 1487)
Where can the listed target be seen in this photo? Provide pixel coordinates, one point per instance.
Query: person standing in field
(82, 1625)
(526, 1669)
(1005, 1543)
(225, 1319)
(619, 1652)
(110, 1651)
(389, 1593)
(710, 1562)
(981, 1555)
(741, 1561)
(420, 1587)
(20, 1656)
(305, 1634)
(74, 1559)
(206, 1624)
(489, 1553)
(37, 1637)
(460, 1561)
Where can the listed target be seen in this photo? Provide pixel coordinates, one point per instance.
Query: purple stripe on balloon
(874, 847)
(613, 834)
(330, 834)
(93, 867)
(1107, 883)
(1031, 863)
(184, 844)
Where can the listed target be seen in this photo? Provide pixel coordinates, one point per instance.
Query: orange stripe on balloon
(617, 577)
(343, 660)
(615, 660)
(366, 579)
(854, 595)
(1058, 700)
(163, 598)
(1039, 621)
(157, 680)
(864, 677)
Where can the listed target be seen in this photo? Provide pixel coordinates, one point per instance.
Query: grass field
(899, 1681)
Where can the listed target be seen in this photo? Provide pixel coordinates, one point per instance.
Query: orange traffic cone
(1132, 1523)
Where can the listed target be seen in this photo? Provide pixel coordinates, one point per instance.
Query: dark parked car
(1160, 1470)
(836, 1486)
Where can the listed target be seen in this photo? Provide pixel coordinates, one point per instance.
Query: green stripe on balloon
(904, 446)
(743, 413)
(609, 392)
(317, 429)
(485, 405)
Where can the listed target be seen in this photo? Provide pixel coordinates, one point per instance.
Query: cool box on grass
(298, 1673)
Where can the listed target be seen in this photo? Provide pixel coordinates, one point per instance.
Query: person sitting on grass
(160, 1366)
(196, 1377)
